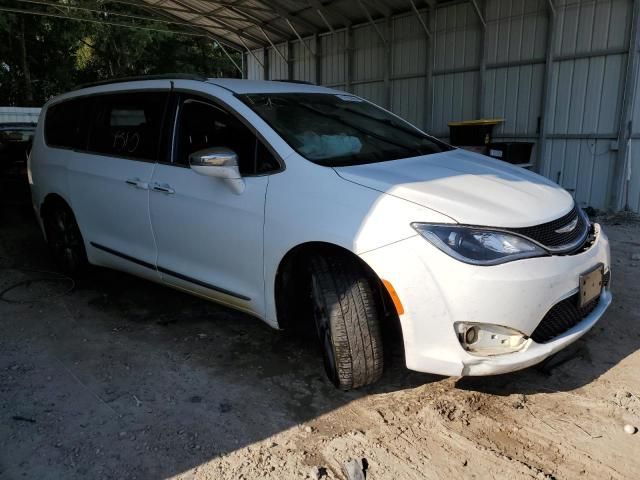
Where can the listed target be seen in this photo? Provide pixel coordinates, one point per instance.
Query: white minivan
(303, 205)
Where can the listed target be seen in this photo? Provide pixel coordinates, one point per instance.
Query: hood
(470, 188)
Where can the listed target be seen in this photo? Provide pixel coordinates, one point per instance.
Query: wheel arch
(290, 294)
(52, 200)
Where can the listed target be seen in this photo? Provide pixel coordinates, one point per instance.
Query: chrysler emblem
(568, 227)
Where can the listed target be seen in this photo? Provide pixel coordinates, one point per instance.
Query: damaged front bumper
(438, 292)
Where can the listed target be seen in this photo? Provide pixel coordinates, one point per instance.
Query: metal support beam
(245, 65)
(273, 46)
(285, 14)
(420, 19)
(214, 36)
(251, 53)
(483, 61)
(428, 83)
(265, 65)
(224, 50)
(289, 61)
(221, 24)
(381, 6)
(541, 166)
(348, 58)
(318, 58)
(387, 64)
(624, 161)
(480, 13)
(551, 6)
(300, 39)
(372, 22)
(323, 13)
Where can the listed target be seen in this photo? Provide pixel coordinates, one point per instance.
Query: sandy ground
(121, 378)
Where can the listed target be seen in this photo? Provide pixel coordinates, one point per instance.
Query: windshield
(340, 129)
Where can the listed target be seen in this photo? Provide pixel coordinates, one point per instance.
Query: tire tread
(354, 318)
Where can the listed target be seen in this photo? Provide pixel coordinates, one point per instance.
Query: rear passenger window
(65, 124)
(128, 125)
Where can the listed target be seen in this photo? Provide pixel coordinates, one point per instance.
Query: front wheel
(347, 319)
(65, 240)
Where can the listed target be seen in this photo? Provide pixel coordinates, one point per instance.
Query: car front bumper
(436, 291)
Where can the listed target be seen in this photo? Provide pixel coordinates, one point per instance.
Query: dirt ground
(122, 378)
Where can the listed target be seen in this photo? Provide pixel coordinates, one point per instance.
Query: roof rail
(303, 82)
(164, 76)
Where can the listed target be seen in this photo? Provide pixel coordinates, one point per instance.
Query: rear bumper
(436, 291)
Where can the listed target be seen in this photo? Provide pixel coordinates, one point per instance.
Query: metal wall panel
(588, 25)
(408, 46)
(633, 194)
(456, 38)
(255, 71)
(584, 167)
(635, 116)
(515, 94)
(516, 30)
(373, 91)
(407, 99)
(333, 60)
(304, 65)
(586, 95)
(278, 68)
(585, 87)
(368, 53)
(454, 98)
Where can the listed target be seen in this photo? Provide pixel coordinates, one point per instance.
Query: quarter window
(65, 124)
(128, 125)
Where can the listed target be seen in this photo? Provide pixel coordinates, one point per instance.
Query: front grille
(546, 234)
(565, 315)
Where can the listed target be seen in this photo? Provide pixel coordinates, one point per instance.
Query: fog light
(487, 339)
(471, 335)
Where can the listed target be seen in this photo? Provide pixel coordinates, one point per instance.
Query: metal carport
(563, 73)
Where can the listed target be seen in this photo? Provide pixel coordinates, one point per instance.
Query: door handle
(163, 189)
(136, 182)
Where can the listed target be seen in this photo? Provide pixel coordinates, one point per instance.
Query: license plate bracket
(591, 285)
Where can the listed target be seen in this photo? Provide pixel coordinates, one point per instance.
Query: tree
(41, 57)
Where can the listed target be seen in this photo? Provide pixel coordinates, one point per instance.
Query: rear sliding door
(109, 180)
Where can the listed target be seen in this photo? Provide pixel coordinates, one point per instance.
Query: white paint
(236, 241)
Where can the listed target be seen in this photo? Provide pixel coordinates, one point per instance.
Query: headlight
(477, 245)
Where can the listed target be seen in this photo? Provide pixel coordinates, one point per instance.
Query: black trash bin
(512, 152)
(472, 133)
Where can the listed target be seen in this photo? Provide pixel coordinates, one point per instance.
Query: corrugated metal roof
(258, 23)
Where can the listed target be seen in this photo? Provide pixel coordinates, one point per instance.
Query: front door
(209, 237)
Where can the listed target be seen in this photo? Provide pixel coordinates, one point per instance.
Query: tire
(347, 319)
(65, 240)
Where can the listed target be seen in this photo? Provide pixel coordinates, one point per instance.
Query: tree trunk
(28, 88)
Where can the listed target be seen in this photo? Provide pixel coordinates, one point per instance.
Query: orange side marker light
(394, 296)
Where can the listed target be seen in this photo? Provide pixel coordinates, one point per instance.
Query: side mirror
(218, 162)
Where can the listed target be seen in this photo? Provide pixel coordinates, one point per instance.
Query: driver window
(203, 125)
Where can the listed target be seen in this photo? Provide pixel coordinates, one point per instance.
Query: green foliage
(62, 53)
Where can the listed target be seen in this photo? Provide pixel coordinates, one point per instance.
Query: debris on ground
(235, 404)
(318, 473)
(355, 469)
